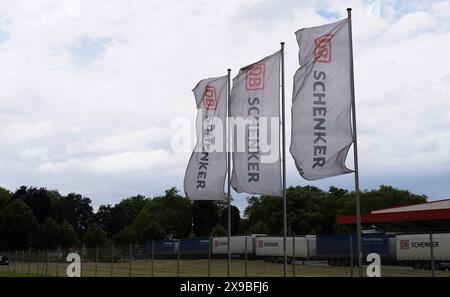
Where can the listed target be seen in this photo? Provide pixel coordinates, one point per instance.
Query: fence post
(81, 261)
(293, 255)
(131, 256)
(432, 255)
(23, 259)
(209, 257)
(178, 258)
(57, 262)
(46, 264)
(246, 256)
(112, 260)
(9, 258)
(39, 262)
(351, 256)
(153, 258)
(29, 261)
(15, 262)
(96, 260)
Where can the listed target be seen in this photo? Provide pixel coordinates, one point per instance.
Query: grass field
(192, 268)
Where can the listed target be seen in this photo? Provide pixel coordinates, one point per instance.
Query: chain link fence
(420, 255)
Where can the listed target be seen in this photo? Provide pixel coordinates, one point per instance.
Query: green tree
(5, 197)
(77, 210)
(40, 200)
(17, 225)
(259, 228)
(235, 218)
(219, 230)
(206, 216)
(125, 236)
(48, 235)
(115, 218)
(153, 231)
(171, 211)
(95, 236)
(68, 236)
(266, 209)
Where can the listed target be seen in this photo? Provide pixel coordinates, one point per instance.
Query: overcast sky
(89, 89)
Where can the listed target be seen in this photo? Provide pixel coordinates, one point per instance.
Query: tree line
(42, 218)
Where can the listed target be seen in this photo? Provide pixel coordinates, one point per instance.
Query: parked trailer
(272, 247)
(237, 247)
(336, 248)
(415, 250)
(162, 248)
(194, 248)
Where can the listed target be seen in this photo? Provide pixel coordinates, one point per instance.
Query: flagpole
(283, 131)
(229, 173)
(355, 145)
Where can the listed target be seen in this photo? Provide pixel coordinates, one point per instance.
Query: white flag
(321, 107)
(255, 107)
(207, 168)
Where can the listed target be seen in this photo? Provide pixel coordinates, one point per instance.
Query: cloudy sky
(91, 90)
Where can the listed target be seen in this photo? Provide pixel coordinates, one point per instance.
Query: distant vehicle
(4, 260)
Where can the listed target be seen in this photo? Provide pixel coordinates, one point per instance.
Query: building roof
(429, 216)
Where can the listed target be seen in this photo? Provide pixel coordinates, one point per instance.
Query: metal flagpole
(229, 173)
(355, 145)
(283, 133)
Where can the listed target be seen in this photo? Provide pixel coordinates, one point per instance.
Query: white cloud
(156, 161)
(40, 152)
(113, 117)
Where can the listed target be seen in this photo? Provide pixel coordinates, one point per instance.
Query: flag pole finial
(349, 9)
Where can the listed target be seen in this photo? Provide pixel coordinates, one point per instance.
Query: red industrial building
(431, 216)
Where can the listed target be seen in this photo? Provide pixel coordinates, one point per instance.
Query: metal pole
(178, 258)
(15, 262)
(153, 258)
(39, 261)
(46, 263)
(293, 255)
(57, 264)
(192, 227)
(229, 174)
(351, 256)
(23, 256)
(29, 261)
(81, 262)
(131, 256)
(112, 260)
(246, 256)
(283, 132)
(355, 143)
(432, 255)
(209, 256)
(96, 260)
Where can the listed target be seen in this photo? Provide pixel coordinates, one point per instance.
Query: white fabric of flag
(321, 104)
(207, 167)
(255, 101)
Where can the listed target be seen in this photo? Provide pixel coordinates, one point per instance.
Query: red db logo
(322, 53)
(255, 77)
(404, 245)
(209, 98)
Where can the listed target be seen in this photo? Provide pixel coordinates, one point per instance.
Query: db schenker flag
(207, 168)
(255, 108)
(321, 104)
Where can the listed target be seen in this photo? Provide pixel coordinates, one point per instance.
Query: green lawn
(190, 268)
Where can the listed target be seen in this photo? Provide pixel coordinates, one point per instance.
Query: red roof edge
(421, 215)
(415, 204)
